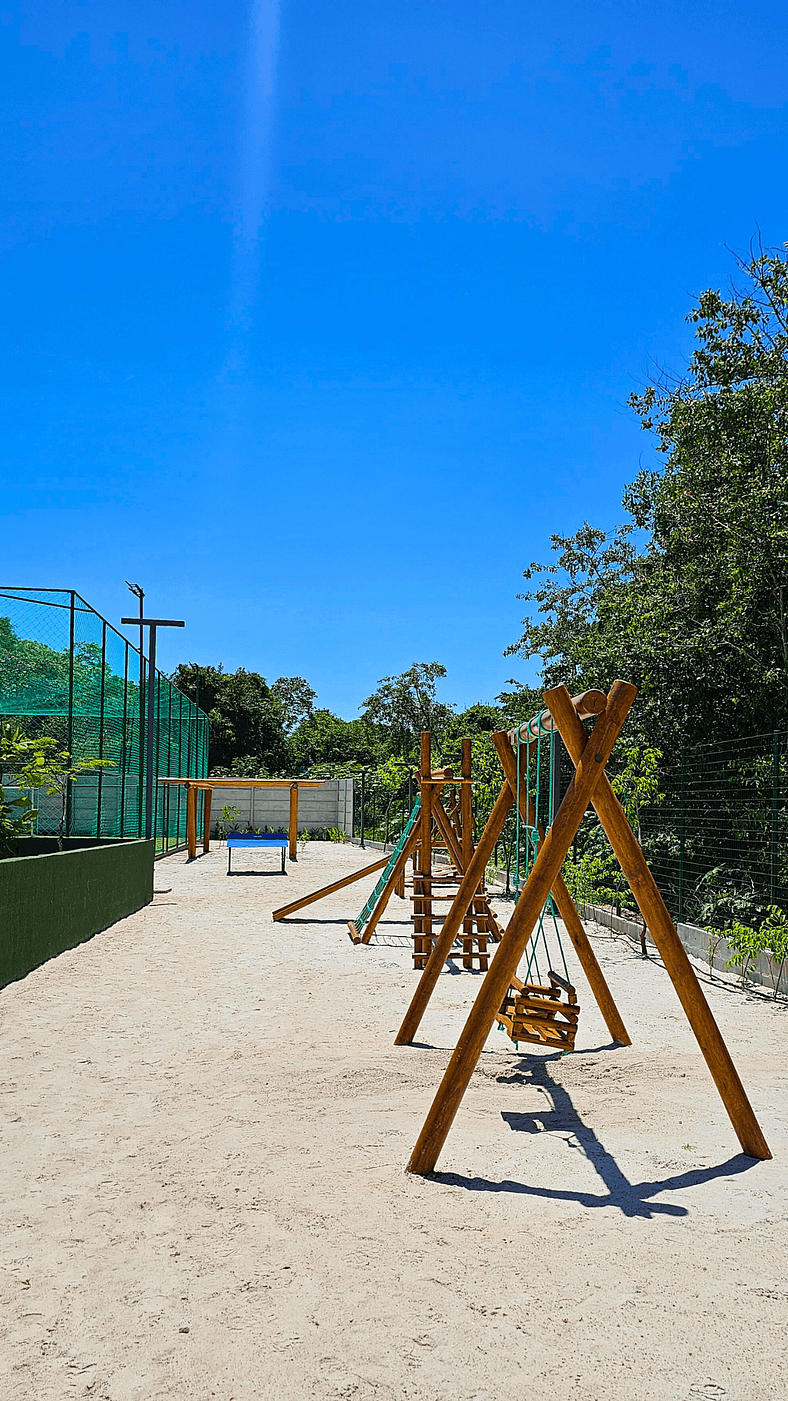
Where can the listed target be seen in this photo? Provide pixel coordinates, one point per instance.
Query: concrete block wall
(331, 805)
(698, 943)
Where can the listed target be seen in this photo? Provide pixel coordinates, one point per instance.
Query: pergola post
(293, 828)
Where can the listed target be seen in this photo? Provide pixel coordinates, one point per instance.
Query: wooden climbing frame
(447, 825)
(441, 822)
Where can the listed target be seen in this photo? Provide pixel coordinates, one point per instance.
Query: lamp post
(153, 624)
(139, 593)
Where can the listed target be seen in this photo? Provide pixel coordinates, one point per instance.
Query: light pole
(153, 624)
(139, 593)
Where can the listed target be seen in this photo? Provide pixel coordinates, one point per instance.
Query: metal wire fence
(66, 672)
(717, 840)
(715, 831)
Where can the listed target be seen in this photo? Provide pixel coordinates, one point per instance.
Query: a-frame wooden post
(665, 935)
(549, 860)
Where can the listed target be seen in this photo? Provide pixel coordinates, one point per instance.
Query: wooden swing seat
(544, 1014)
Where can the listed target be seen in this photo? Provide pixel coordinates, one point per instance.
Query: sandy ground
(204, 1129)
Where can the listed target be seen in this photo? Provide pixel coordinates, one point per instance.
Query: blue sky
(320, 318)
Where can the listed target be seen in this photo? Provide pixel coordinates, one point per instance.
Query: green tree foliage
(407, 704)
(296, 698)
(40, 763)
(17, 814)
(688, 597)
(323, 743)
(247, 719)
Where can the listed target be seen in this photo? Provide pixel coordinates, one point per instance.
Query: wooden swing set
(441, 822)
(547, 1012)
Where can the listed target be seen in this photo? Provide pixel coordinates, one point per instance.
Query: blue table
(237, 839)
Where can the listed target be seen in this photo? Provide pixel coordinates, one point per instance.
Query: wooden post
(293, 828)
(671, 950)
(566, 905)
(466, 805)
(447, 831)
(191, 822)
(206, 820)
(468, 887)
(550, 858)
(466, 825)
(422, 880)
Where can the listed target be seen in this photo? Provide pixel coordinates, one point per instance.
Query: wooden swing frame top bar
(194, 786)
(588, 705)
(589, 785)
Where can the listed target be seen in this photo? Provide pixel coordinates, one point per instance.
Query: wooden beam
(447, 832)
(466, 818)
(246, 782)
(663, 932)
(329, 889)
(566, 905)
(550, 858)
(191, 822)
(293, 827)
(424, 919)
(206, 821)
(446, 936)
(388, 889)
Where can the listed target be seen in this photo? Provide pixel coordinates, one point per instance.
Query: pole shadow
(634, 1199)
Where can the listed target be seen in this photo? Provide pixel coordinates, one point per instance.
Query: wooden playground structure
(547, 1012)
(441, 823)
(195, 786)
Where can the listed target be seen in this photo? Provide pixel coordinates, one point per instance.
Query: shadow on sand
(560, 1116)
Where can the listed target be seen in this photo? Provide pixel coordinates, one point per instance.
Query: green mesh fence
(66, 672)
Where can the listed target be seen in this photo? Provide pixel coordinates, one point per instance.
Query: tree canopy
(687, 597)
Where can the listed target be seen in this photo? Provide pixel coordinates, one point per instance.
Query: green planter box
(52, 900)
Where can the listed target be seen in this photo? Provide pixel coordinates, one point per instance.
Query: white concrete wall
(331, 805)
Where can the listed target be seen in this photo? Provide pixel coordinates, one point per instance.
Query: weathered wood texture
(680, 970)
(324, 890)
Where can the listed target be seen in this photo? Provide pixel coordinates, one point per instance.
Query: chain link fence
(66, 672)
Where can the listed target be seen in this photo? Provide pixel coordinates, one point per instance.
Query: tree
(17, 815)
(322, 743)
(693, 610)
(41, 764)
(407, 704)
(247, 719)
(296, 698)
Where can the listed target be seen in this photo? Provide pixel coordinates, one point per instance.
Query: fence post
(682, 831)
(100, 784)
(775, 807)
(70, 741)
(362, 807)
(124, 734)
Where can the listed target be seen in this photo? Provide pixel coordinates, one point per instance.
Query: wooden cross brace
(589, 785)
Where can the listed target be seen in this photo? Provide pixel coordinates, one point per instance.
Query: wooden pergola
(194, 786)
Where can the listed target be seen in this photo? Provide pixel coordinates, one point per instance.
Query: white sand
(205, 1124)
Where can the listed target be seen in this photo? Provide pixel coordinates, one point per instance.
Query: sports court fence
(66, 672)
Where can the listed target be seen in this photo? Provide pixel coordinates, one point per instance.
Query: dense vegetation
(687, 598)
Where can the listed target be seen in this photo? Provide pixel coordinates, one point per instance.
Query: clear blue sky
(319, 319)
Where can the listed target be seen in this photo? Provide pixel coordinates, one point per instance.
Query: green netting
(66, 672)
